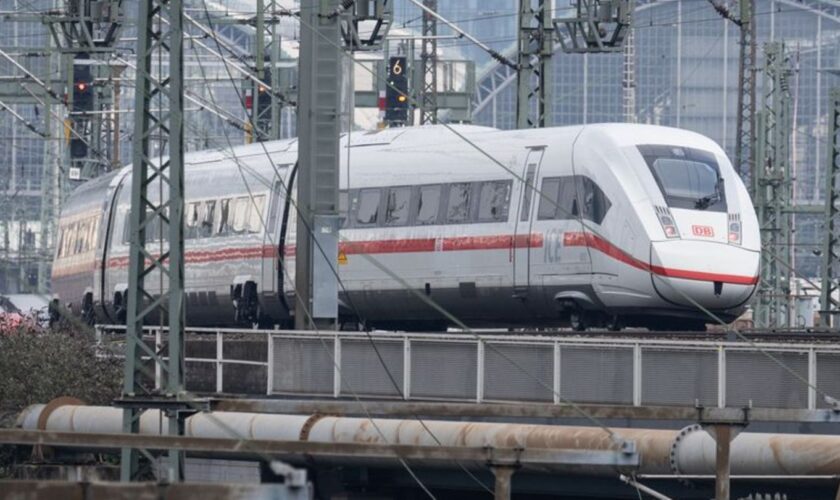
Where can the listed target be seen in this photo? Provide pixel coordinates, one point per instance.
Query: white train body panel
(431, 217)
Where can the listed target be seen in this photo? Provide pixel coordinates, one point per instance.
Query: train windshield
(688, 178)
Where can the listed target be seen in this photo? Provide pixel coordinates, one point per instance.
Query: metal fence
(505, 368)
(509, 368)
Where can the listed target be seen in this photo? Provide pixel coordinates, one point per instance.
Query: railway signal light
(82, 88)
(396, 93)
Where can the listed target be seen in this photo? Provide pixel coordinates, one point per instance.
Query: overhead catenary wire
(306, 311)
(534, 188)
(594, 232)
(585, 225)
(618, 442)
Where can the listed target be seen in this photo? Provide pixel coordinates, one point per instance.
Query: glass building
(685, 62)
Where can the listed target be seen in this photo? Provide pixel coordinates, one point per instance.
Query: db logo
(703, 231)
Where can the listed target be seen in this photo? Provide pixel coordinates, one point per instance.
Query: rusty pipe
(689, 451)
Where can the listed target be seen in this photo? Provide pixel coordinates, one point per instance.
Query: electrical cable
(307, 312)
(586, 226)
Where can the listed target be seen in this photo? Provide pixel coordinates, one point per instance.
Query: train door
(104, 244)
(521, 249)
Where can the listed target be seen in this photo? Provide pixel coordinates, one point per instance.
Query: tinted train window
(223, 217)
(593, 204)
(570, 197)
(192, 220)
(493, 201)
(208, 215)
(343, 207)
(240, 210)
(428, 202)
(255, 213)
(458, 207)
(687, 177)
(397, 205)
(549, 194)
(367, 207)
(527, 193)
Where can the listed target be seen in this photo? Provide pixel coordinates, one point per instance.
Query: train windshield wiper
(704, 202)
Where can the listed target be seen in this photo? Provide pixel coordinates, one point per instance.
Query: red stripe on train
(495, 242)
(580, 239)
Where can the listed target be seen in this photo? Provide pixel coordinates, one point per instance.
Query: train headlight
(734, 229)
(669, 226)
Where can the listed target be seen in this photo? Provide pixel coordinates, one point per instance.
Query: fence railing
(508, 368)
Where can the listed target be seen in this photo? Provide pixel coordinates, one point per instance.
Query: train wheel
(614, 322)
(577, 320)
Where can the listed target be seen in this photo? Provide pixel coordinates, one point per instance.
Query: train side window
(127, 228)
(94, 234)
(344, 207)
(367, 209)
(255, 218)
(78, 245)
(593, 202)
(74, 235)
(192, 220)
(58, 248)
(208, 215)
(428, 203)
(527, 193)
(458, 206)
(549, 196)
(240, 214)
(65, 244)
(493, 201)
(397, 205)
(274, 205)
(222, 218)
(568, 205)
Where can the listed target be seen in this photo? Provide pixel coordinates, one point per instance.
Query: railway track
(814, 335)
(784, 336)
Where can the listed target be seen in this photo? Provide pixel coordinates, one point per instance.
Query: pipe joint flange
(310, 423)
(674, 462)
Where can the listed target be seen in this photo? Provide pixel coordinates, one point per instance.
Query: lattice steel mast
(533, 81)
(745, 128)
(266, 105)
(628, 74)
(597, 26)
(428, 62)
(772, 190)
(156, 272)
(831, 242)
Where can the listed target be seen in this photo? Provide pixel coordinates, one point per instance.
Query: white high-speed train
(629, 225)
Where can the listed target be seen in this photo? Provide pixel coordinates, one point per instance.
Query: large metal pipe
(689, 451)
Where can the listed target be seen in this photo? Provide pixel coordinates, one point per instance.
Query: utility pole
(772, 191)
(428, 61)
(156, 272)
(831, 242)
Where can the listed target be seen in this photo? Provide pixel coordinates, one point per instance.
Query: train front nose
(713, 275)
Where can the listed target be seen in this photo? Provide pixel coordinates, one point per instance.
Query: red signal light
(81, 86)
